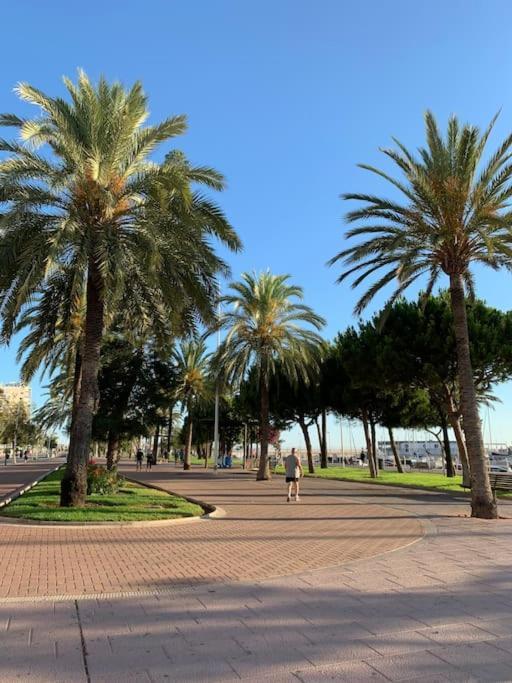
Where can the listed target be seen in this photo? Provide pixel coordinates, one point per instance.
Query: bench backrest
(501, 481)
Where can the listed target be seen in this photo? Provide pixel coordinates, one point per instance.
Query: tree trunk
(264, 466)
(483, 504)
(188, 445)
(323, 451)
(307, 441)
(74, 483)
(112, 449)
(399, 466)
(155, 444)
(169, 430)
(450, 469)
(369, 447)
(454, 420)
(461, 447)
(319, 434)
(374, 447)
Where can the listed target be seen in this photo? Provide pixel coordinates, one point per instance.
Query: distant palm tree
(453, 214)
(193, 380)
(264, 332)
(97, 206)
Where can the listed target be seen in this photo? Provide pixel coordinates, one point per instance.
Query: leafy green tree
(265, 322)
(230, 426)
(418, 349)
(136, 384)
(295, 403)
(353, 390)
(96, 204)
(454, 213)
(16, 426)
(121, 368)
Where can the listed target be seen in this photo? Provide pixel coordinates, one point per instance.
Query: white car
(501, 469)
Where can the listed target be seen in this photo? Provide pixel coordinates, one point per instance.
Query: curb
(19, 492)
(211, 512)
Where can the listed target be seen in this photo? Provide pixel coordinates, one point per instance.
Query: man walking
(293, 469)
(139, 456)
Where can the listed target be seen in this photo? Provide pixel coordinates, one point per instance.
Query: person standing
(139, 456)
(293, 469)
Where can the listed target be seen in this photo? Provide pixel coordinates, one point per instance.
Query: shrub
(100, 480)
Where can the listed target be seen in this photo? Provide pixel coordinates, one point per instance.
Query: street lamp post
(216, 417)
(341, 442)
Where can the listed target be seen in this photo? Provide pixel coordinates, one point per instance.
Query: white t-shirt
(291, 463)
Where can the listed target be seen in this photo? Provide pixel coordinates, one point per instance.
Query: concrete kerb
(211, 511)
(19, 492)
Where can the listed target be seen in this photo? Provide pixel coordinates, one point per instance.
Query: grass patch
(428, 481)
(133, 503)
(420, 480)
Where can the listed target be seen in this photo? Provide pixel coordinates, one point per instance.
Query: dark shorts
(289, 479)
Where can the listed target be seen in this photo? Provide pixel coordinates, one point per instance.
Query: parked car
(500, 469)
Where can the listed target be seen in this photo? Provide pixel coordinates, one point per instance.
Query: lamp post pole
(342, 445)
(216, 418)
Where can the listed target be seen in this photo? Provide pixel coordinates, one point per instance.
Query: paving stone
(355, 672)
(456, 633)
(410, 666)
(400, 642)
(473, 654)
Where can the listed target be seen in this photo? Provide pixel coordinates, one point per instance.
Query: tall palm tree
(97, 204)
(454, 212)
(193, 379)
(264, 331)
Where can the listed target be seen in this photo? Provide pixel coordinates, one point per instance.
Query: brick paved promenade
(260, 537)
(439, 609)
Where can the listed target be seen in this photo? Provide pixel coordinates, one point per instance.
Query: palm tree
(264, 332)
(97, 205)
(193, 379)
(454, 213)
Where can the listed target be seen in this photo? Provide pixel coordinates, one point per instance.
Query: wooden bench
(500, 481)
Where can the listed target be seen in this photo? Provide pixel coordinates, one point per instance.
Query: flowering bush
(100, 480)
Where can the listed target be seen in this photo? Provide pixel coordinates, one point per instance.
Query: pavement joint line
(83, 643)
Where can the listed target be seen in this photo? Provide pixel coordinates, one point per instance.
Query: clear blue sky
(284, 97)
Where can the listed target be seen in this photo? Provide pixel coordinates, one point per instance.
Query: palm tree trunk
(74, 482)
(483, 504)
(450, 469)
(307, 441)
(112, 449)
(369, 447)
(264, 467)
(399, 466)
(188, 445)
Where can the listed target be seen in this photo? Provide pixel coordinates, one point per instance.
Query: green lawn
(430, 481)
(132, 503)
(421, 480)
